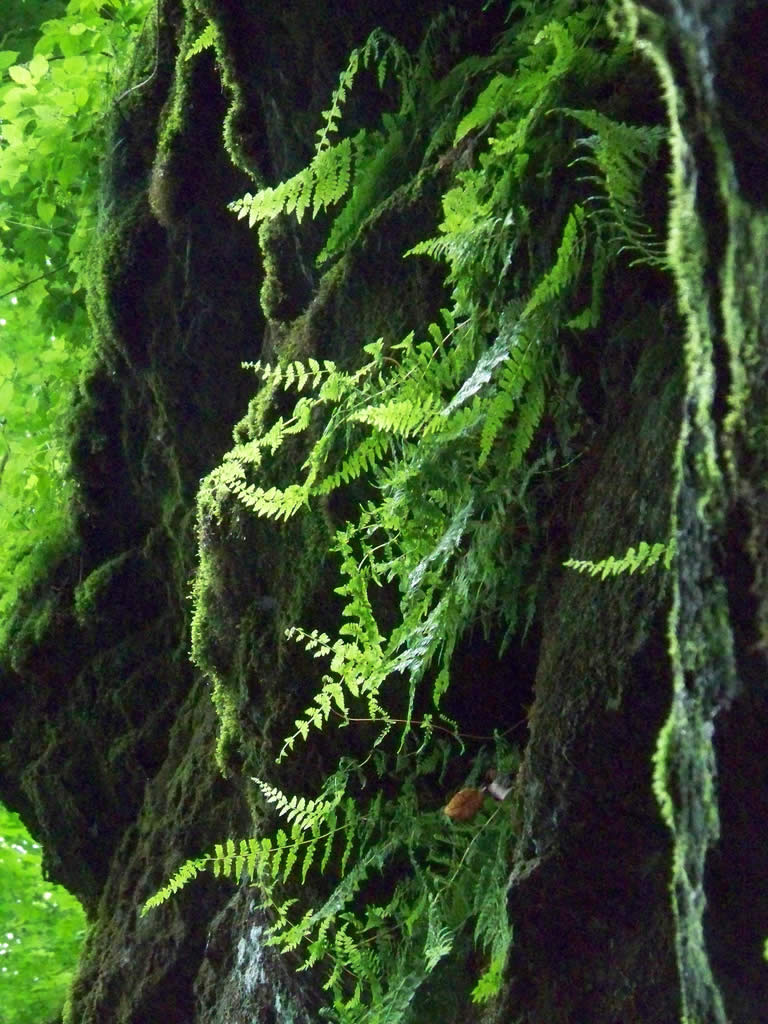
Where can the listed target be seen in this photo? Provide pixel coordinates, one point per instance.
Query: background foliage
(59, 67)
(60, 64)
(42, 930)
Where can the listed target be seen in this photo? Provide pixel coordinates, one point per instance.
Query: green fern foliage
(379, 950)
(328, 177)
(321, 184)
(204, 41)
(619, 156)
(447, 437)
(381, 51)
(640, 560)
(188, 871)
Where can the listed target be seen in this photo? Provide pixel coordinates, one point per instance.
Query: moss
(91, 594)
(28, 611)
(237, 109)
(718, 287)
(243, 596)
(66, 1011)
(165, 201)
(288, 283)
(159, 193)
(34, 619)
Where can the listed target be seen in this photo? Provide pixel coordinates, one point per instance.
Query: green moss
(231, 83)
(243, 596)
(33, 620)
(90, 595)
(272, 241)
(700, 631)
(28, 611)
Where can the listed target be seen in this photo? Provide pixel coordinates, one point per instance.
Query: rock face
(111, 746)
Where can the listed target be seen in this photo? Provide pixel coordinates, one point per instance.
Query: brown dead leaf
(465, 805)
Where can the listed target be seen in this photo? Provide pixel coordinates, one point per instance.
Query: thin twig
(153, 72)
(26, 284)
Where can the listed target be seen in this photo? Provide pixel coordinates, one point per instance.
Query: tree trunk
(636, 876)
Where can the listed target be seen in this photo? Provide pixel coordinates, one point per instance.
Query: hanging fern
(640, 560)
(380, 50)
(423, 911)
(620, 155)
(204, 41)
(321, 184)
(445, 435)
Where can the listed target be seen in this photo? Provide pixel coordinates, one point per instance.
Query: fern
(266, 860)
(493, 931)
(446, 434)
(565, 269)
(305, 814)
(206, 39)
(321, 184)
(413, 930)
(329, 176)
(640, 560)
(381, 49)
(188, 871)
(621, 155)
(518, 372)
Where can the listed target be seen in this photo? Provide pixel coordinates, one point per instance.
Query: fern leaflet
(640, 560)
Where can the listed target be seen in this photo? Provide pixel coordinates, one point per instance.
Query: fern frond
(306, 814)
(387, 53)
(289, 936)
(621, 154)
(377, 157)
(277, 374)
(206, 39)
(333, 170)
(640, 560)
(291, 852)
(489, 983)
(528, 421)
(483, 372)
(440, 937)
(493, 102)
(567, 265)
(323, 182)
(186, 873)
(519, 388)
(361, 460)
(445, 548)
(401, 416)
(272, 502)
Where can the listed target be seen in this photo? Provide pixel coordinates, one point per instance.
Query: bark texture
(637, 890)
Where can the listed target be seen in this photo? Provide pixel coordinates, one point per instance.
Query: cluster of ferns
(451, 432)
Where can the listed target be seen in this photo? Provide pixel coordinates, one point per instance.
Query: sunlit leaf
(20, 74)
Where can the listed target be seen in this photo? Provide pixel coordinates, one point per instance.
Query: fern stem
(348, 719)
(474, 839)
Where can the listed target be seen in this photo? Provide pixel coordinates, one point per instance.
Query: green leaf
(38, 66)
(70, 170)
(46, 210)
(20, 74)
